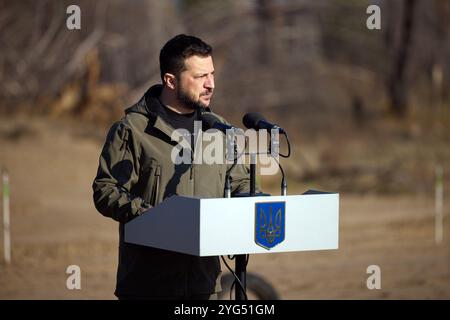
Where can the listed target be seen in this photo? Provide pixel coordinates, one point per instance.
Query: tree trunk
(397, 82)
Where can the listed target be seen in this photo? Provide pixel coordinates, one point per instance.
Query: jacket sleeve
(118, 172)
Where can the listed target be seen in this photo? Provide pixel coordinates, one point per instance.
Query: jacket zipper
(123, 148)
(155, 186)
(158, 177)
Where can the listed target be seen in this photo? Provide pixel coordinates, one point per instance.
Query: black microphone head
(251, 120)
(209, 120)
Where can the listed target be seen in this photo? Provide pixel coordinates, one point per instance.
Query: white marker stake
(6, 232)
(439, 205)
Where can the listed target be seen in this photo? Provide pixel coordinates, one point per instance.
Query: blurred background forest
(312, 66)
(367, 111)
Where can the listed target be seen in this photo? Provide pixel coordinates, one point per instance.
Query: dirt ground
(54, 224)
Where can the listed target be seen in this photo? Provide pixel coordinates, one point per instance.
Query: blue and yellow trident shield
(269, 223)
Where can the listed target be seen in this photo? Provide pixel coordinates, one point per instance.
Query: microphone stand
(241, 259)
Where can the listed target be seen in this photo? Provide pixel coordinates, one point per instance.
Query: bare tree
(397, 82)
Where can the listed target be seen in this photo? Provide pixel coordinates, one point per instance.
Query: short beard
(187, 101)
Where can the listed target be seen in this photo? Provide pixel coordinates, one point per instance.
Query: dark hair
(179, 48)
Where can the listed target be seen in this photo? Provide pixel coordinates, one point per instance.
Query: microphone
(254, 120)
(210, 121)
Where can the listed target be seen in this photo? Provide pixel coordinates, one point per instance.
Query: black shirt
(181, 121)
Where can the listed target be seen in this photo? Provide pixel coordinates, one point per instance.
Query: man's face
(196, 83)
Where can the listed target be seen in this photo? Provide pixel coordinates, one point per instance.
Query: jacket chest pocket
(153, 183)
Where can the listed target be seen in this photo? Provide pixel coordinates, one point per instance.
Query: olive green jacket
(135, 173)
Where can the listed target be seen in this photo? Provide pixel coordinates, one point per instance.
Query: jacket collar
(150, 106)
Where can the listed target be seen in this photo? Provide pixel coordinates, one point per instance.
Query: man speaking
(136, 172)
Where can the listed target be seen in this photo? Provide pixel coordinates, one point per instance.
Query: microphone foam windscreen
(209, 120)
(251, 120)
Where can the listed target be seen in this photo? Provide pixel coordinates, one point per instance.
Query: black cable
(235, 161)
(289, 146)
(236, 278)
(279, 165)
(283, 179)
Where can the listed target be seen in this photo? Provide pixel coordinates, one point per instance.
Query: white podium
(232, 226)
